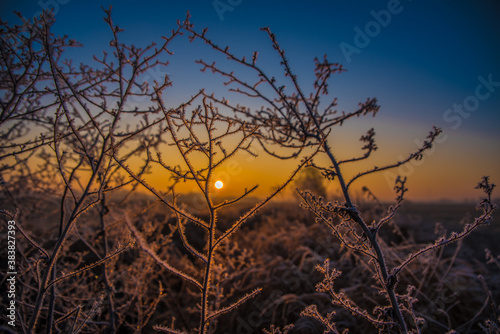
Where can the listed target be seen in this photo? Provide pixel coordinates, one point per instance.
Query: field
(278, 251)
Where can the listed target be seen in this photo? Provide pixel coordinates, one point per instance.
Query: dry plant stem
(208, 270)
(353, 212)
(109, 288)
(89, 134)
(212, 245)
(488, 208)
(144, 246)
(61, 222)
(211, 238)
(388, 286)
(76, 212)
(72, 219)
(90, 266)
(313, 129)
(43, 284)
(50, 316)
(186, 139)
(350, 207)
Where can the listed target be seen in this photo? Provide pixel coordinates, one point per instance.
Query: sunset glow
(379, 47)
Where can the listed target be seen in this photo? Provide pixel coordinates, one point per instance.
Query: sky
(428, 63)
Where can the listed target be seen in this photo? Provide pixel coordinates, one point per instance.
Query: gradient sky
(422, 62)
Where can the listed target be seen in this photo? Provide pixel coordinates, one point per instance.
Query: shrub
(110, 258)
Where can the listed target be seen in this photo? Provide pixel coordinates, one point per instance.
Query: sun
(219, 184)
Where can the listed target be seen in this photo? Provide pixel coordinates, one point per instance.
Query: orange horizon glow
(444, 173)
(433, 178)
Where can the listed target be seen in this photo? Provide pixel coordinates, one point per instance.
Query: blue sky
(428, 57)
